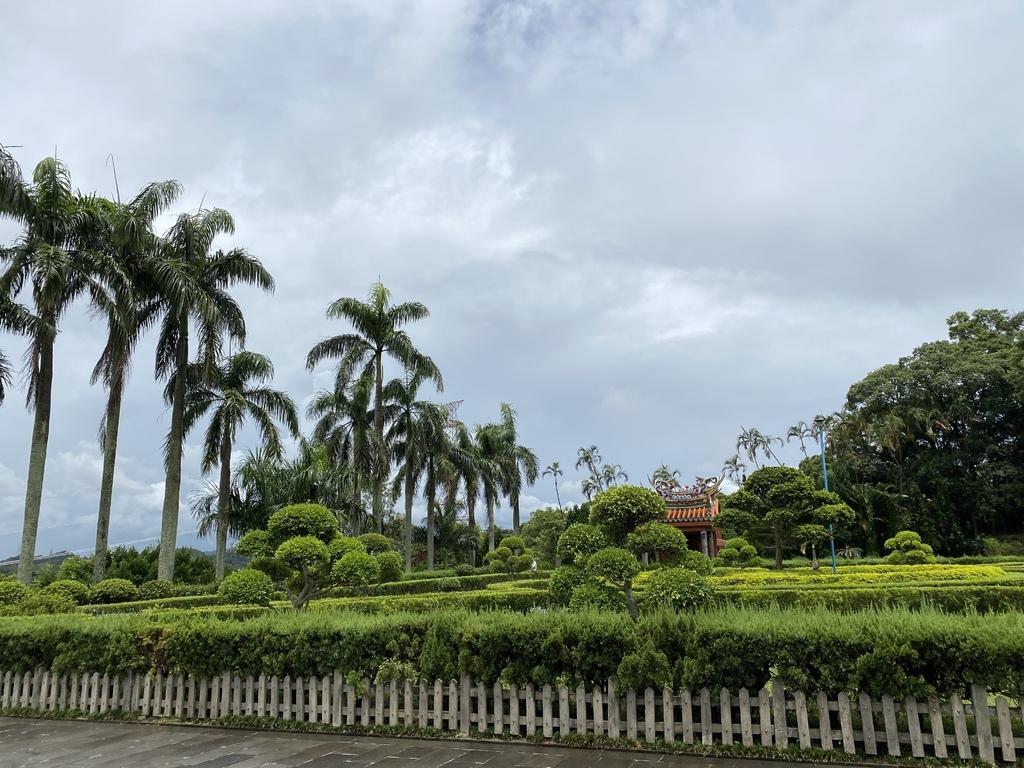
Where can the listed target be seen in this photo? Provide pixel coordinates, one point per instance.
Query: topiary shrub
(113, 591)
(647, 667)
(75, 568)
(697, 562)
(464, 569)
(156, 589)
(40, 603)
(391, 569)
(300, 520)
(12, 592)
(246, 587)
(908, 549)
(356, 569)
(579, 542)
(342, 545)
(591, 596)
(375, 543)
(737, 553)
(449, 584)
(565, 580)
(678, 589)
(622, 509)
(75, 591)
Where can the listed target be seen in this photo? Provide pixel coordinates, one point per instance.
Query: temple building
(692, 509)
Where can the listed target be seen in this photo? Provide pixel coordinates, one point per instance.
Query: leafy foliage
(620, 510)
(908, 549)
(246, 587)
(113, 590)
(737, 553)
(678, 589)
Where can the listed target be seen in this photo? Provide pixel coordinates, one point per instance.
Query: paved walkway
(74, 744)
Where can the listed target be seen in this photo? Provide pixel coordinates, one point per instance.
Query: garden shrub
(75, 568)
(737, 553)
(592, 596)
(464, 569)
(678, 589)
(391, 567)
(38, 603)
(647, 667)
(113, 591)
(75, 591)
(579, 542)
(375, 543)
(564, 581)
(302, 520)
(246, 587)
(12, 592)
(155, 589)
(620, 510)
(908, 549)
(697, 562)
(356, 569)
(449, 584)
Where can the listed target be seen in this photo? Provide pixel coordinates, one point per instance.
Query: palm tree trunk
(36, 461)
(471, 513)
(430, 518)
(110, 430)
(223, 507)
(172, 485)
(490, 525)
(409, 491)
(514, 500)
(378, 426)
(557, 497)
(357, 500)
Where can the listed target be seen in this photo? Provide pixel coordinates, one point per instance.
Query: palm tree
(233, 392)
(191, 286)
(555, 471)
(489, 451)
(802, 431)
(260, 485)
(752, 441)
(407, 436)
(591, 459)
(735, 469)
(56, 259)
(517, 462)
(436, 455)
(611, 474)
(344, 425)
(5, 376)
(127, 312)
(470, 475)
(378, 330)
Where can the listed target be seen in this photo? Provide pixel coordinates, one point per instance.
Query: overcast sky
(643, 224)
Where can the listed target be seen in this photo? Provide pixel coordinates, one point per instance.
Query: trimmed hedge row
(951, 598)
(894, 652)
(862, 575)
(513, 598)
(135, 606)
(442, 584)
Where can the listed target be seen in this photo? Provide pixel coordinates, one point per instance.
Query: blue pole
(824, 475)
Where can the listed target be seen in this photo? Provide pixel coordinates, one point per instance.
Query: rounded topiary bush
(156, 589)
(908, 549)
(75, 591)
(342, 545)
(356, 569)
(113, 591)
(390, 567)
(303, 520)
(12, 592)
(564, 581)
(449, 584)
(38, 603)
(246, 587)
(679, 589)
(375, 543)
(592, 596)
(464, 569)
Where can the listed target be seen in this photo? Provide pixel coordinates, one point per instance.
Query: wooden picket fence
(771, 717)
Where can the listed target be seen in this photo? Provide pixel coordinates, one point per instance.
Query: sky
(643, 224)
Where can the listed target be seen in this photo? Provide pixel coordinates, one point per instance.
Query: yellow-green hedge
(858, 575)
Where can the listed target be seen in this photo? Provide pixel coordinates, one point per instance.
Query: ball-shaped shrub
(342, 545)
(246, 587)
(592, 596)
(157, 589)
(39, 603)
(75, 591)
(448, 584)
(255, 544)
(580, 541)
(464, 569)
(375, 543)
(908, 549)
(678, 589)
(303, 520)
(391, 568)
(12, 592)
(113, 591)
(564, 581)
(515, 543)
(697, 562)
(356, 569)
(307, 551)
(624, 508)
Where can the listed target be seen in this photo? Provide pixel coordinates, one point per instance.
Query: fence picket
(649, 730)
(563, 710)
(466, 706)
(938, 727)
(531, 711)
(914, 726)
(614, 723)
(707, 736)
(581, 710)
(824, 722)
(1005, 730)
(482, 721)
(779, 714)
(631, 714)
(846, 724)
(725, 714)
(687, 713)
(597, 699)
(867, 716)
(764, 717)
(983, 723)
(892, 736)
(803, 730)
(963, 741)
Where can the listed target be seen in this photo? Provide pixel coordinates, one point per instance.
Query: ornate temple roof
(689, 503)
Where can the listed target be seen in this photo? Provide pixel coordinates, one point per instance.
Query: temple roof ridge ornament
(702, 493)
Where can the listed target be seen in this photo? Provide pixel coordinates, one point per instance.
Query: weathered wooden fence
(770, 717)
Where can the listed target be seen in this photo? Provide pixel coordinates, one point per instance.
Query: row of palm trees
(371, 435)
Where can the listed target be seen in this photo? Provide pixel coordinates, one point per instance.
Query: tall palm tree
(517, 462)
(470, 476)
(192, 286)
(5, 376)
(489, 455)
(127, 312)
(556, 472)
(260, 485)
(378, 331)
(407, 439)
(232, 392)
(344, 425)
(437, 458)
(591, 459)
(612, 474)
(734, 469)
(802, 432)
(57, 260)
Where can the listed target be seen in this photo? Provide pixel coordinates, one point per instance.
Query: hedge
(862, 575)
(515, 598)
(894, 652)
(135, 606)
(958, 598)
(465, 583)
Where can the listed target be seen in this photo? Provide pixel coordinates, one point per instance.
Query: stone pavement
(75, 744)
